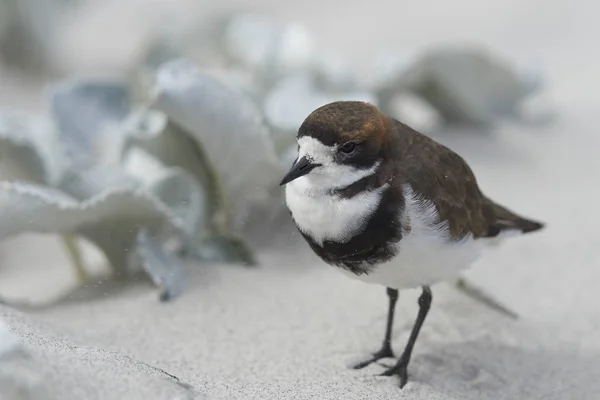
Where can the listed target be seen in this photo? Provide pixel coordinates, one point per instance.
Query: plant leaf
(29, 148)
(89, 181)
(227, 126)
(152, 132)
(466, 85)
(111, 219)
(165, 270)
(86, 113)
(210, 240)
(180, 192)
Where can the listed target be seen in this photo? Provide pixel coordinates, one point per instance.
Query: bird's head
(339, 144)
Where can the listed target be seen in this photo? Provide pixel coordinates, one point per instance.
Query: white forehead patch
(330, 175)
(315, 150)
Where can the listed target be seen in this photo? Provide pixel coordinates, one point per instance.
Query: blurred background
(142, 142)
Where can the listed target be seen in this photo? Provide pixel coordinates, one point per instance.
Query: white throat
(317, 212)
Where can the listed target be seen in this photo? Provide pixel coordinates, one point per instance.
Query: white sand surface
(290, 329)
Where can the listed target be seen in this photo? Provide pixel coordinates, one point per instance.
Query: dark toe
(383, 353)
(400, 370)
(388, 372)
(362, 364)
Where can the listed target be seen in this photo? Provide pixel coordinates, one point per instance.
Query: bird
(388, 205)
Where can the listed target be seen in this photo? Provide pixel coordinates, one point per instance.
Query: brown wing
(440, 175)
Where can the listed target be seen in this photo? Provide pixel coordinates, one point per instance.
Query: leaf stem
(75, 255)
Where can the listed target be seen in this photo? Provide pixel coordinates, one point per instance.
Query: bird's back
(438, 175)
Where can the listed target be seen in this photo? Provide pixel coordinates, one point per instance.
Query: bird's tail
(506, 220)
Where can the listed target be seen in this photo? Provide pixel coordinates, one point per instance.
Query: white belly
(425, 255)
(422, 261)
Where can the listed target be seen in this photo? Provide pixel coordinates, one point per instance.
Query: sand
(291, 328)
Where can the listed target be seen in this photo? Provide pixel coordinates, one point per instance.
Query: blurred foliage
(189, 145)
(130, 178)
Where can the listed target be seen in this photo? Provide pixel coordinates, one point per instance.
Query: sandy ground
(291, 328)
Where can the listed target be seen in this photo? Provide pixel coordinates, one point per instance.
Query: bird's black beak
(302, 167)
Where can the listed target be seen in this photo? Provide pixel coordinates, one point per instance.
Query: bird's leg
(401, 366)
(386, 347)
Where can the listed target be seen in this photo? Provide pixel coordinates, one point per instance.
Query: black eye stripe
(347, 147)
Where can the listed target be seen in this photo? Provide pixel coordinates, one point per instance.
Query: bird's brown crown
(342, 121)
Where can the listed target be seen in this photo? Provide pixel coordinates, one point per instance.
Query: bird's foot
(384, 352)
(400, 369)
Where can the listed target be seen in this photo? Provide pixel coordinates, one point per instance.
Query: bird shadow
(481, 369)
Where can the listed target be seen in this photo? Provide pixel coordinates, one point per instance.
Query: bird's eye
(347, 147)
